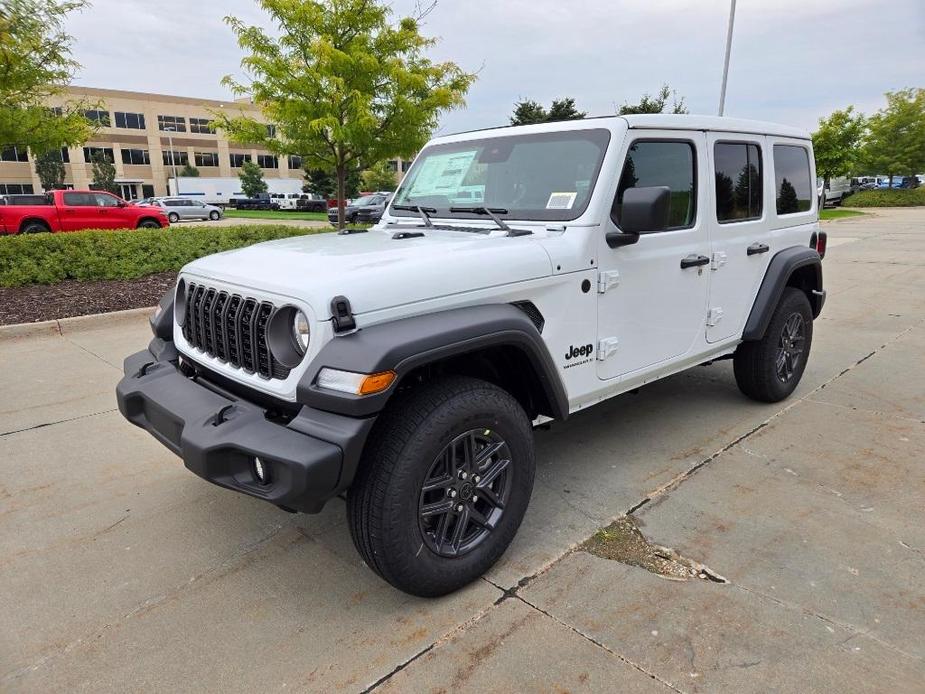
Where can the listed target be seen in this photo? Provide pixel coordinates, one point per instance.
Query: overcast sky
(792, 60)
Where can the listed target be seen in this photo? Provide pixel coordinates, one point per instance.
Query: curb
(76, 324)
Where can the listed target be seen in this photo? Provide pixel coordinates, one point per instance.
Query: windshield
(543, 176)
(368, 200)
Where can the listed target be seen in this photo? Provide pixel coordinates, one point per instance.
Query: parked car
(406, 367)
(262, 202)
(24, 199)
(73, 210)
(364, 210)
(312, 202)
(895, 182)
(178, 209)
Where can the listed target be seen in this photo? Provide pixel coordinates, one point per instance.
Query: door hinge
(607, 280)
(606, 347)
(719, 259)
(714, 316)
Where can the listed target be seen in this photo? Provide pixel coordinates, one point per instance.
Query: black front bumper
(218, 434)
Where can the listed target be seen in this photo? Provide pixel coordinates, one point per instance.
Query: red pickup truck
(73, 210)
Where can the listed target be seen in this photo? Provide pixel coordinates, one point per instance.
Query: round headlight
(301, 332)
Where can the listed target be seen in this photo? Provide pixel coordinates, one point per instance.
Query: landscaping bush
(110, 255)
(888, 197)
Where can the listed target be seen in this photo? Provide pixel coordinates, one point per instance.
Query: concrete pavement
(122, 571)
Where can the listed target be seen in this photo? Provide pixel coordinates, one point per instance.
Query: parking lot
(122, 571)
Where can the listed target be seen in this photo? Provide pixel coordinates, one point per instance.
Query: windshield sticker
(441, 174)
(561, 201)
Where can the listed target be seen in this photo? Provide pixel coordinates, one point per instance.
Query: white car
(405, 365)
(178, 209)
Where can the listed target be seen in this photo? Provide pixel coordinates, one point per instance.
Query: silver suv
(177, 209)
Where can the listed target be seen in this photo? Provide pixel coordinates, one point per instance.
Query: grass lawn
(838, 213)
(275, 214)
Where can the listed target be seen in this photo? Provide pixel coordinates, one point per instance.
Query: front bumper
(218, 435)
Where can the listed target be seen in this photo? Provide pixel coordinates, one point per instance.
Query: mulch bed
(40, 302)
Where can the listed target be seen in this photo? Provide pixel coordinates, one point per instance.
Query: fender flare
(408, 343)
(776, 278)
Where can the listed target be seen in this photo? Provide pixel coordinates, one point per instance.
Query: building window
(65, 155)
(14, 153)
(134, 121)
(267, 161)
(135, 156)
(100, 117)
(271, 130)
(661, 163)
(738, 181)
(237, 160)
(295, 161)
(16, 189)
(791, 174)
(178, 158)
(201, 125)
(147, 190)
(206, 158)
(405, 165)
(175, 123)
(89, 152)
(393, 165)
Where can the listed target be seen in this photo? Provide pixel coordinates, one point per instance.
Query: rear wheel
(770, 369)
(173, 218)
(443, 485)
(34, 227)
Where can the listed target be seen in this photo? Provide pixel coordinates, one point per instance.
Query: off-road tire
(756, 363)
(383, 502)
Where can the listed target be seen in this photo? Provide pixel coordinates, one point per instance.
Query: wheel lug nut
(476, 479)
(462, 474)
(452, 493)
(459, 508)
(474, 498)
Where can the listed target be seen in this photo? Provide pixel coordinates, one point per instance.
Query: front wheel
(214, 215)
(770, 369)
(443, 485)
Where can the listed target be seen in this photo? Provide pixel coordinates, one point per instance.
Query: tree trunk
(341, 193)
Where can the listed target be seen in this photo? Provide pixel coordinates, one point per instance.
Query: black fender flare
(405, 344)
(781, 268)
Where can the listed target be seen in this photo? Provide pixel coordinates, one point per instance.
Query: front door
(740, 239)
(112, 212)
(650, 308)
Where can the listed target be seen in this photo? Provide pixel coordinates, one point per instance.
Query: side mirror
(122, 203)
(644, 210)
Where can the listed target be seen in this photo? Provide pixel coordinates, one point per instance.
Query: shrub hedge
(888, 197)
(109, 255)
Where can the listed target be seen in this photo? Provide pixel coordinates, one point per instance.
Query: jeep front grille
(231, 328)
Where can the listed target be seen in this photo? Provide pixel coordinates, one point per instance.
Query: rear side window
(791, 174)
(79, 200)
(738, 181)
(661, 163)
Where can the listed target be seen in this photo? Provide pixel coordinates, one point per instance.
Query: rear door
(651, 305)
(78, 211)
(740, 240)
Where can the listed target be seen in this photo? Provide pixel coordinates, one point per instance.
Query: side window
(661, 163)
(738, 181)
(103, 200)
(79, 200)
(791, 175)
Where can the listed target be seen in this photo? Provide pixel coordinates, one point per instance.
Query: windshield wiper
(425, 212)
(493, 212)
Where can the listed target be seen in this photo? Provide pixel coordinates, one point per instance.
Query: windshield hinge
(342, 314)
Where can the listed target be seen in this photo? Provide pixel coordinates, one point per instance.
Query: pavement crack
(59, 421)
(601, 645)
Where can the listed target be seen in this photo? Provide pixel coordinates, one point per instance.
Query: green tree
(836, 143)
(252, 183)
(527, 112)
(343, 85)
(787, 201)
(49, 167)
(189, 171)
(379, 177)
(895, 143)
(104, 173)
(320, 181)
(35, 68)
(657, 103)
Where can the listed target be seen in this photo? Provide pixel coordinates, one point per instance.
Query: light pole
(173, 159)
(722, 93)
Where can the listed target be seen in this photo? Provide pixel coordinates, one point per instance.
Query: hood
(375, 271)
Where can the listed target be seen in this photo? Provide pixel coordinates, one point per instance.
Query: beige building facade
(147, 136)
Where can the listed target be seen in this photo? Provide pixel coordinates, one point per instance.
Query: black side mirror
(645, 210)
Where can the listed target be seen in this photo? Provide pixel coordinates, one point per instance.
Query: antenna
(732, 19)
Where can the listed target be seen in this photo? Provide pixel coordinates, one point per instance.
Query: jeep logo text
(582, 351)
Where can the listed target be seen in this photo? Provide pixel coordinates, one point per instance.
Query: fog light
(261, 471)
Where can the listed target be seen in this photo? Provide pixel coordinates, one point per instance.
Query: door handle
(693, 261)
(757, 248)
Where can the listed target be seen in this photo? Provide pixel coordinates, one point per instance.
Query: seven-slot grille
(231, 328)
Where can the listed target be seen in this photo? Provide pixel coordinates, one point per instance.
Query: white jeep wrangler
(405, 366)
